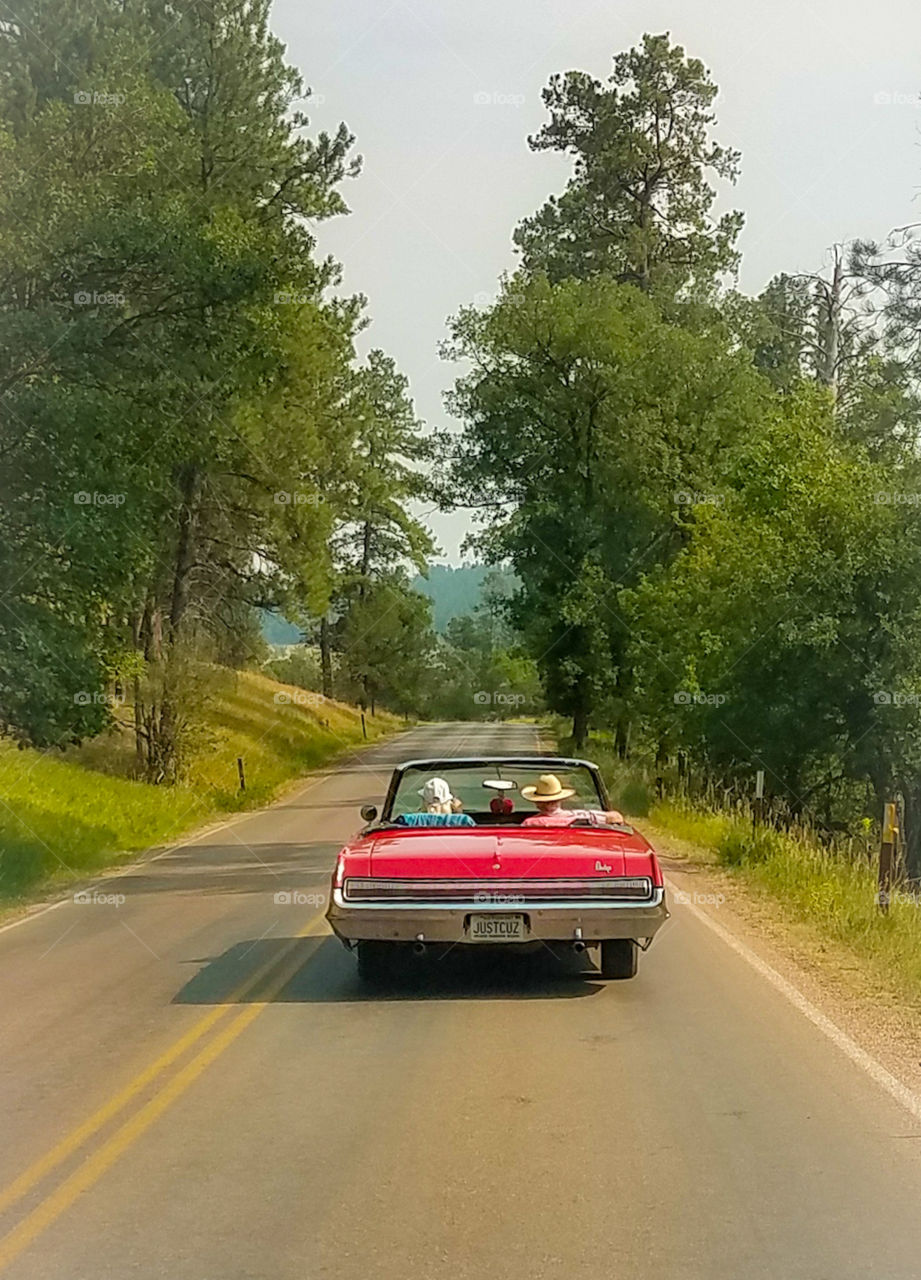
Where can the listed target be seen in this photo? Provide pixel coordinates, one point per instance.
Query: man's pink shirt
(563, 817)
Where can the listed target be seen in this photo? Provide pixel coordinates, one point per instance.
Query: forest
(698, 508)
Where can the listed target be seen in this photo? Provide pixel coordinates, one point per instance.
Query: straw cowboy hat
(548, 789)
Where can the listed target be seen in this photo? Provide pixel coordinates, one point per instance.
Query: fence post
(364, 730)
(758, 808)
(887, 856)
(240, 773)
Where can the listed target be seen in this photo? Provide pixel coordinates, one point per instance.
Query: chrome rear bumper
(547, 921)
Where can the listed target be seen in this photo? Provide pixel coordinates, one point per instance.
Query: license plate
(494, 928)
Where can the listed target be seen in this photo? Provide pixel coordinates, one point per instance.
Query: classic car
(402, 887)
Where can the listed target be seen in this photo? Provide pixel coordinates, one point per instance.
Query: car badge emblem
(602, 866)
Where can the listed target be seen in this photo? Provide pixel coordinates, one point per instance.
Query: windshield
(478, 786)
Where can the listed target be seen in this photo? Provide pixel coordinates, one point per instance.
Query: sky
(822, 97)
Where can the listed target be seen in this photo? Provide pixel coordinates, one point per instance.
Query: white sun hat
(436, 791)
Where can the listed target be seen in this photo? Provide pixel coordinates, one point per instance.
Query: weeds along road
(195, 1085)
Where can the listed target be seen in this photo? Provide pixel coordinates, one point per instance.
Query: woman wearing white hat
(437, 798)
(548, 794)
(439, 808)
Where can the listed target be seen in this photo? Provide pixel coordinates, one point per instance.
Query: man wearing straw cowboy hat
(548, 795)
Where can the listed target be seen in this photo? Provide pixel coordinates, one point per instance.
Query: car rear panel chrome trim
(483, 893)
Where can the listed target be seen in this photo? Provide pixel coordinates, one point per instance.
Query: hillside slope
(62, 817)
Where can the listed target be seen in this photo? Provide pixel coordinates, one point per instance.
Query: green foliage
(638, 206)
(833, 893)
(187, 431)
(301, 667)
(481, 671)
(589, 420)
(710, 502)
(386, 637)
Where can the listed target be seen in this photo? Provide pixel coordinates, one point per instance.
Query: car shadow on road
(326, 974)
(236, 868)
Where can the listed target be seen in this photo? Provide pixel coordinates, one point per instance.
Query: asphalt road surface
(194, 1086)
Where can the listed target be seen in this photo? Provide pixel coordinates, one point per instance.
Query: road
(195, 1087)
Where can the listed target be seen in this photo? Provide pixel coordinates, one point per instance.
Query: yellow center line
(74, 1140)
(95, 1165)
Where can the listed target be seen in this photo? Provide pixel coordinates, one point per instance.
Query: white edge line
(850, 1048)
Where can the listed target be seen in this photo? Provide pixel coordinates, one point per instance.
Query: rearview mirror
(369, 812)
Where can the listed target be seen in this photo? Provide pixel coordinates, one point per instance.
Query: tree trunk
(580, 727)
(365, 567)
(622, 736)
(326, 659)
(137, 638)
(190, 487)
(830, 306)
(911, 822)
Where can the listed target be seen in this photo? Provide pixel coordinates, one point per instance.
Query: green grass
(694, 825)
(65, 816)
(833, 894)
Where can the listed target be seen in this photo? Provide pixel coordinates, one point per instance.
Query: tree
(894, 269)
(377, 536)
(387, 641)
(169, 355)
(784, 635)
(639, 205)
(590, 424)
(818, 327)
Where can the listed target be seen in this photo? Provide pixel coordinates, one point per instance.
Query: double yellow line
(276, 973)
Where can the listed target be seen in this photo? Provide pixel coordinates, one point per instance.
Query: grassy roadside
(831, 895)
(63, 817)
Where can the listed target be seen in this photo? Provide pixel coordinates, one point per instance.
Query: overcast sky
(820, 96)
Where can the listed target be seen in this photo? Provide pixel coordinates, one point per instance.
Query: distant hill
(277, 630)
(455, 591)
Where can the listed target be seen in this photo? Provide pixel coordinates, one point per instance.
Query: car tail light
(339, 873)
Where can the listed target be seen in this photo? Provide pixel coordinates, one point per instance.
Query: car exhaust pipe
(578, 946)
(419, 945)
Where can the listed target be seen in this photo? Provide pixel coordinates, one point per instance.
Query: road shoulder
(825, 972)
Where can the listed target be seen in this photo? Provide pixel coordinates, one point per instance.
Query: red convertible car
(470, 853)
